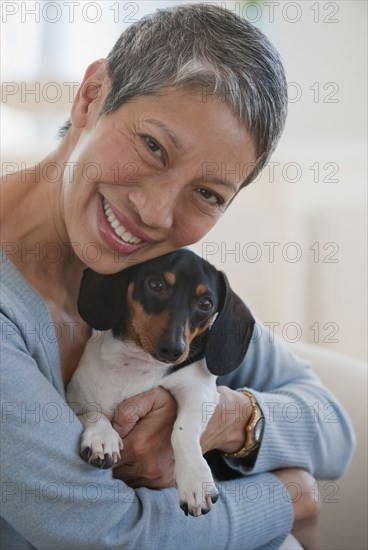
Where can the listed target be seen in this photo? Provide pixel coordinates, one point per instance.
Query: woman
(183, 90)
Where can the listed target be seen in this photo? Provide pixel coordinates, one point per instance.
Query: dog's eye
(156, 284)
(205, 304)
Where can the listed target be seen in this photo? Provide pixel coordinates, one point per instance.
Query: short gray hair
(206, 46)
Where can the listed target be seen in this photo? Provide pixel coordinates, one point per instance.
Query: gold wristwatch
(253, 430)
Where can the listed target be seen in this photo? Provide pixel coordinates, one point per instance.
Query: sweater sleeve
(305, 426)
(54, 499)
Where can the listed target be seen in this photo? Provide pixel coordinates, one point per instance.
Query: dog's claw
(96, 462)
(116, 459)
(86, 453)
(102, 463)
(107, 461)
(199, 500)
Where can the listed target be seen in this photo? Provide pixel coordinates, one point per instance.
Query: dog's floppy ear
(102, 300)
(230, 335)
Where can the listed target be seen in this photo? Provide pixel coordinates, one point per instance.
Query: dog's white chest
(109, 372)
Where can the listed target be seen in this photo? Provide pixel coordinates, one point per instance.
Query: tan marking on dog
(200, 290)
(190, 335)
(144, 329)
(170, 278)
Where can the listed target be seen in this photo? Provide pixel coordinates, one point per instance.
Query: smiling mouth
(117, 227)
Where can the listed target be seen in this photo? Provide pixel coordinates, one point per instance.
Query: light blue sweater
(52, 499)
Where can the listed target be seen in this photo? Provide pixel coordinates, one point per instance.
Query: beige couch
(343, 522)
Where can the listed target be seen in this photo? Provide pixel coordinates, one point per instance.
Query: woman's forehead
(189, 120)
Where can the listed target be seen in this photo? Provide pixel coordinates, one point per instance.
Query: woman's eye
(156, 284)
(154, 147)
(211, 197)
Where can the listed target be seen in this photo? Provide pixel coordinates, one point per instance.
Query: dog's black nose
(170, 351)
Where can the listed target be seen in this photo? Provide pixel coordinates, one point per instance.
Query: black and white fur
(185, 357)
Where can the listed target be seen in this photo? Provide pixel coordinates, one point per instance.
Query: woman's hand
(145, 423)
(226, 428)
(302, 491)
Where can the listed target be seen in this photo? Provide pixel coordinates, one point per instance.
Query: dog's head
(178, 308)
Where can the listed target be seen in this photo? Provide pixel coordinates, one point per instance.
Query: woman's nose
(154, 206)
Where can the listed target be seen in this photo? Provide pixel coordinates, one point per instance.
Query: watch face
(258, 429)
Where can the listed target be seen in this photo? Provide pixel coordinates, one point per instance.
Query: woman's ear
(102, 300)
(91, 93)
(230, 335)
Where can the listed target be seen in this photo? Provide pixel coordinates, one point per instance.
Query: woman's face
(152, 177)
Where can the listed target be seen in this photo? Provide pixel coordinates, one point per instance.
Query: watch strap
(250, 444)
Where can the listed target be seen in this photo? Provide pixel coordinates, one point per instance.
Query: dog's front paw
(101, 447)
(197, 490)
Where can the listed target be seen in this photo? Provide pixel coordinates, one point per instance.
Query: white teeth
(119, 229)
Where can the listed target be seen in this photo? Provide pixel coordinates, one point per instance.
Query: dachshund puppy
(173, 322)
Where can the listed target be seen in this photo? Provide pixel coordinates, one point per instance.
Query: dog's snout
(170, 351)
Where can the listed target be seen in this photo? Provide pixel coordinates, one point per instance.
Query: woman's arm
(304, 425)
(145, 421)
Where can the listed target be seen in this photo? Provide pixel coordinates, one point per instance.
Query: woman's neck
(33, 232)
